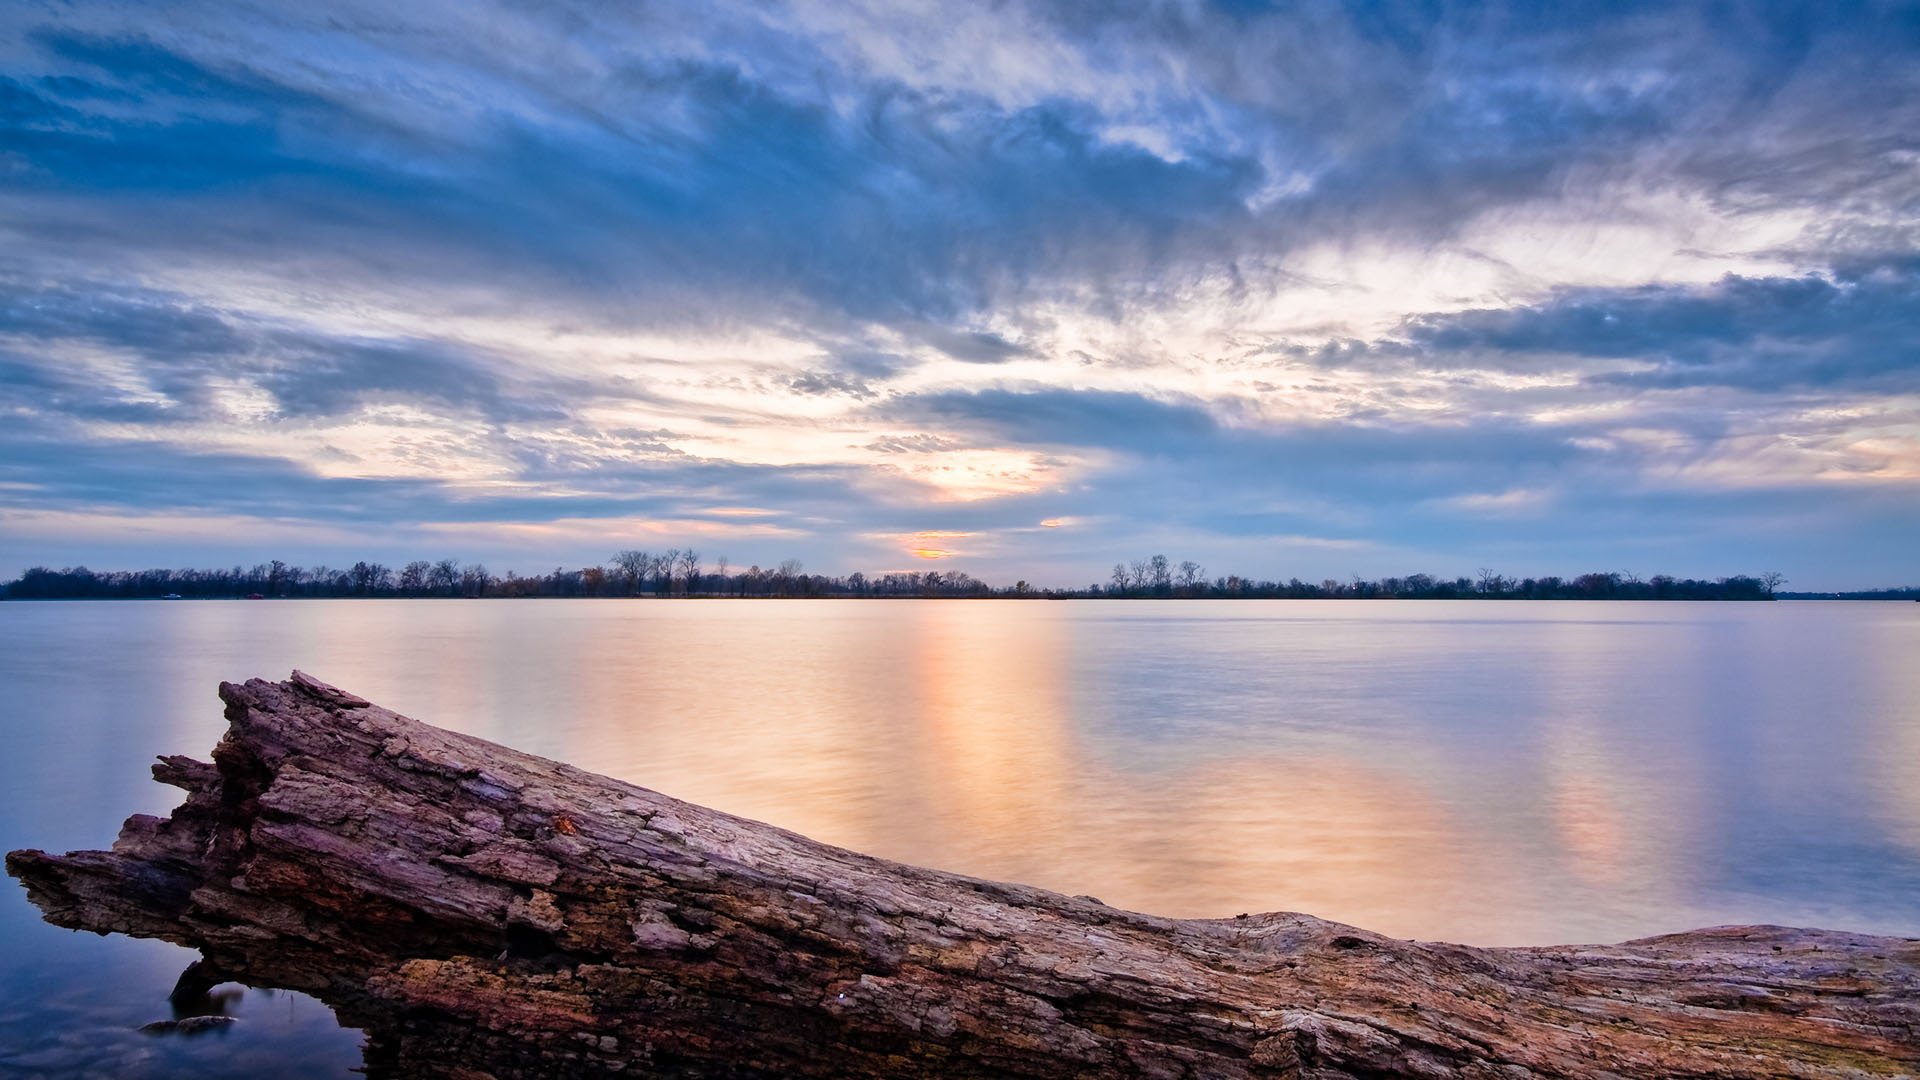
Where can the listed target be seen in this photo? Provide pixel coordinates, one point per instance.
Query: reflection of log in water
(479, 911)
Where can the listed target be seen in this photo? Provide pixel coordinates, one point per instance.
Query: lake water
(1487, 772)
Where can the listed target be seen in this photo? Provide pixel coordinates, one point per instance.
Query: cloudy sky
(1021, 289)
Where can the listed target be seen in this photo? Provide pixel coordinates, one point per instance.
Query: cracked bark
(485, 912)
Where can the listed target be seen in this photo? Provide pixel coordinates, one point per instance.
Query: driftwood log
(485, 912)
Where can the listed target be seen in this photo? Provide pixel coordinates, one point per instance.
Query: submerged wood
(485, 912)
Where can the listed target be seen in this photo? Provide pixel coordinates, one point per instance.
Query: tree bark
(485, 912)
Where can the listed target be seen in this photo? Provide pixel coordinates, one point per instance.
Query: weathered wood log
(482, 911)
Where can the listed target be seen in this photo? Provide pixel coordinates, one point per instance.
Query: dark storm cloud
(335, 378)
(1058, 417)
(1187, 456)
(977, 347)
(45, 466)
(152, 323)
(1859, 328)
(828, 383)
(184, 350)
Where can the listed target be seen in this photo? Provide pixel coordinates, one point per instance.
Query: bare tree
(1162, 574)
(720, 571)
(1772, 580)
(632, 566)
(690, 569)
(1118, 582)
(414, 577)
(663, 572)
(445, 576)
(370, 578)
(475, 580)
(1191, 575)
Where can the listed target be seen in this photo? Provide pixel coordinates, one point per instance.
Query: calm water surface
(1495, 773)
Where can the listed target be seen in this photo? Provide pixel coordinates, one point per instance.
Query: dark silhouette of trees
(1150, 578)
(632, 566)
(1161, 575)
(1192, 577)
(630, 573)
(370, 579)
(445, 577)
(1909, 592)
(1139, 574)
(663, 572)
(415, 577)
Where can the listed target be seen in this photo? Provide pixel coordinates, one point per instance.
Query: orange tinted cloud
(926, 544)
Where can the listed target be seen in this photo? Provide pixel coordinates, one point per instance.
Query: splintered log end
(480, 910)
(181, 771)
(39, 873)
(327, 693)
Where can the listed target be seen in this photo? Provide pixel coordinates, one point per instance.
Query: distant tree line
(1157, 577)
(1911, 592)
(680, 572)
(676, 572)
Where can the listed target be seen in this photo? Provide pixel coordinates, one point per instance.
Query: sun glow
(931, 544)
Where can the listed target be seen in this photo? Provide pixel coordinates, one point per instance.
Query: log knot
(538, 911)
(1281, 1053)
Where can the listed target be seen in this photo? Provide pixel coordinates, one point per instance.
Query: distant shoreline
(681, 575)
(1879, 596)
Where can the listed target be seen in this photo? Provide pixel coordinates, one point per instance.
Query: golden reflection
(997, 736)
(1321, 833)
(1585, 804)
(1584, 790)
(1610, 817)
(814, 755)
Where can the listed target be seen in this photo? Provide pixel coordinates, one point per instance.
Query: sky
(1021, 289)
